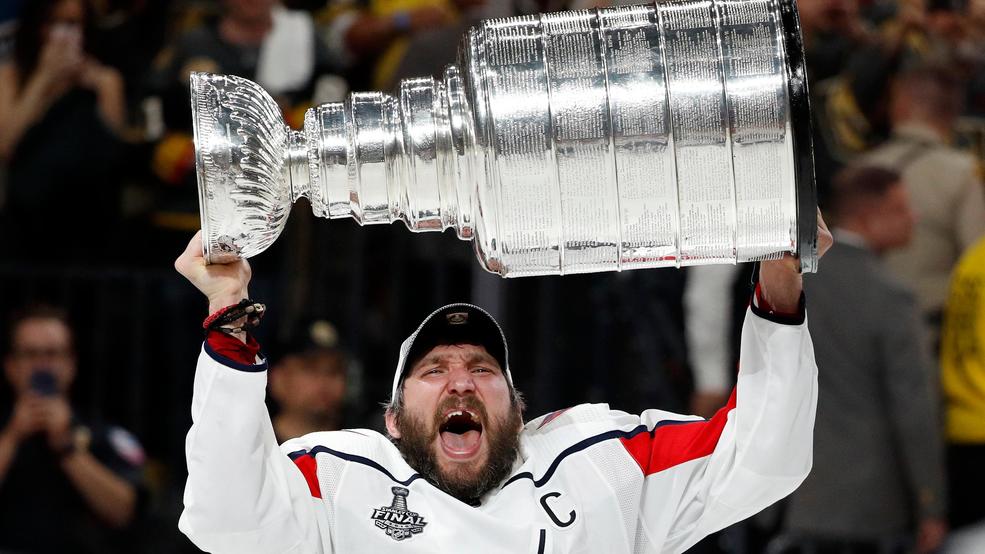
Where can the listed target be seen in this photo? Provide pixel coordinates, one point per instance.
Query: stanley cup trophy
(602, 140)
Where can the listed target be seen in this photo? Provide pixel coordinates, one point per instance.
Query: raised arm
(755, 450)
(243, 494)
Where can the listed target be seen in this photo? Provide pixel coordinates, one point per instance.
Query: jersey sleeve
(703, 475)
(243, 493)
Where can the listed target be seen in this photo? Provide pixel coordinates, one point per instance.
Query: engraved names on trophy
(644, 162)
(757, 100)
(520, 114)
(703, 156)
(580, 132)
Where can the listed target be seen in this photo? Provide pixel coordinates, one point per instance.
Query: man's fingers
(191, 256)
(194, 248)
(825, 239)
(34, 402)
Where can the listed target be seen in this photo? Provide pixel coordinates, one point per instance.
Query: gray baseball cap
(453, 324)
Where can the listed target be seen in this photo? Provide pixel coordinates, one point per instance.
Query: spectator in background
(878, 464)
(832, 31)
(942, 183)
(852, 114)
(62, 114)
(361, 33)
(308, 384)
(127, 35)
(963, 367)
(973, 46)
(428, 33)
(66, 485)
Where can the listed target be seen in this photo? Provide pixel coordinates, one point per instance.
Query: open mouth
(460, 432)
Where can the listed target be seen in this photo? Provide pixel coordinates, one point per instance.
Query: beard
(465, 482)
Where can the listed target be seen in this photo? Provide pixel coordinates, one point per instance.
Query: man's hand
(27, 419)
(61, 58)
(222, 284)
(781, 281)
(57, 416)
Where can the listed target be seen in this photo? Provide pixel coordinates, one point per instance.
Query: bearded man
(460, 472)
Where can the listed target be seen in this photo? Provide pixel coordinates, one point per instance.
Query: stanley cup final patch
(398, 522)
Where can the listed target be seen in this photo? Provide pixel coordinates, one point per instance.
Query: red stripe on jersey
(309, 468)
(551, 417)
(671, 445)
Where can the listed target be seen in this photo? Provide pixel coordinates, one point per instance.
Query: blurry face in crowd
(976, 9)
(944, 23)
(249, 10)
(40, 345)
(312, 385)
(891, 220)
(458, 426)
(67, 19)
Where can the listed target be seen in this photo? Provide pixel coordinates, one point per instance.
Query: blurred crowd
(98, 195)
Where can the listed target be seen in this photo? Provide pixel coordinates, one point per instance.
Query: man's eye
(481, 370)
(432, 371)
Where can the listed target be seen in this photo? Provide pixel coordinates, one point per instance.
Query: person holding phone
(58, 472)
(64, 116)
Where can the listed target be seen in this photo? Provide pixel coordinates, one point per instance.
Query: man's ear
(391, 424)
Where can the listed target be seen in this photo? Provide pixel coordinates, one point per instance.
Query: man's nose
(460, 381)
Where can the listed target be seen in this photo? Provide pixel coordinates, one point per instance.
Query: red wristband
(234, 349)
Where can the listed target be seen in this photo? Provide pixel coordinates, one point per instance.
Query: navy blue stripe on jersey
(352, 458)
(782, 319)
(582, 445)
(251, 368)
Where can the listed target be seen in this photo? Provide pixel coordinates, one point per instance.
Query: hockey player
(460, 472)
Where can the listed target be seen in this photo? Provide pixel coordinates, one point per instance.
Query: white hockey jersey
(590, 479)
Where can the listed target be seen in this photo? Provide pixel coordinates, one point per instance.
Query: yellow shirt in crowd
(963, 350)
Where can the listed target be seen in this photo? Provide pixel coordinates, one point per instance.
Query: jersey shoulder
(362, 446)
(577, 417)
(550, 434)
(548, 440)
(586, 420)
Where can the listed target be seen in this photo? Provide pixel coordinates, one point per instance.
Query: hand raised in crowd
(108, 85)
(97, 77)
(35, 414)
(56, 416)
(222, 284)
(27, 419)
(62, 58)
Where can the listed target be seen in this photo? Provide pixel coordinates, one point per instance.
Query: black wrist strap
(249, 311)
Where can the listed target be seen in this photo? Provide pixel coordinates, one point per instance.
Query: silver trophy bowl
(667, 134)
